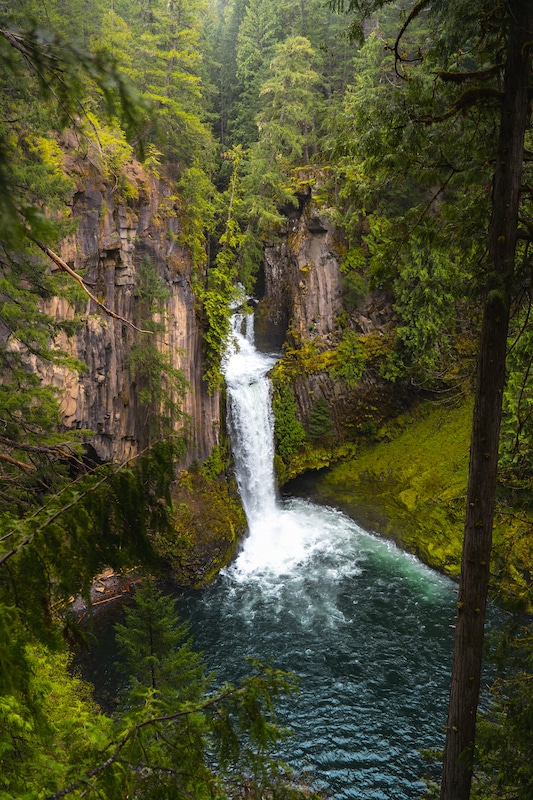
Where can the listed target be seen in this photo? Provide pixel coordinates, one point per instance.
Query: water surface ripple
(364, 626)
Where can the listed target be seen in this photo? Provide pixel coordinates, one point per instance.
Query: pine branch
(30, 537)
(34, 448)
(423, 213)
(16, 463)
(133, 733)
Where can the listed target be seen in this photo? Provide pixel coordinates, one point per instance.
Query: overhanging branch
(474, 96)
(132, 734)
(58, 261)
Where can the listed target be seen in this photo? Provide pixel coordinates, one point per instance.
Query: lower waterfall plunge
(365, 626)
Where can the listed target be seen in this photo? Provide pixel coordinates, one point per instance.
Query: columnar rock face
(112, 240)
(304, 301)
(303, 293)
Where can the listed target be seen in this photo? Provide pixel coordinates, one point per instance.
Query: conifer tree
(286, 132)
(181, 735)
(480, 103)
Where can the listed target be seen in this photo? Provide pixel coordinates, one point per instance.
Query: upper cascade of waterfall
(250, 419)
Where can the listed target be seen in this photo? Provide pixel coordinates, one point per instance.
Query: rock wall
(304, 300)
(303, 293)
(113, 238)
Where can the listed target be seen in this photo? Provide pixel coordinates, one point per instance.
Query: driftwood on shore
(107, 587)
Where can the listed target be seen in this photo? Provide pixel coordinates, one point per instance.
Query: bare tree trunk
(473, 587)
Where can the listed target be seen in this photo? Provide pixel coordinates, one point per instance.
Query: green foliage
(41, 753)
(217, 463)
(105, 146)
(286, 119)
(216, 300)
(289, 433)
(286, 132)
(156, 654)
(160, 385)
(517, 431)
(100, 519)
(222, 277)
(353, 283)
(246, 45)
(175, 734)
(308, 359)
(159, 50)
(409, 483)
(197, 212)
(320, 425)
(183, 737)
(505, 728)
(257, 36)
(47, 76)
(207, 525)
(421, 189)
(349, 363)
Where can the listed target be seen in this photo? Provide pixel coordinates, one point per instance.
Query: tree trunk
(473, 587)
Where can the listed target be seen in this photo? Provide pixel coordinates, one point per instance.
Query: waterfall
(250, 420)
(363, 625)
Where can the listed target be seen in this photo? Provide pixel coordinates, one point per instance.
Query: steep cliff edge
(115, 235)
(306, 310)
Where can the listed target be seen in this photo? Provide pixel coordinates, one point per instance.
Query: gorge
(361, 172)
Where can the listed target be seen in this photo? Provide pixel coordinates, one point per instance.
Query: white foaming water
(286, 538)
(280, 539)
(250, 420)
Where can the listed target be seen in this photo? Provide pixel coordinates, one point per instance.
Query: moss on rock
(411, 484)
(208, 525)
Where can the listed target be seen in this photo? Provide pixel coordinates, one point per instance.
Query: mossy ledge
(409, 484)
(209, 524)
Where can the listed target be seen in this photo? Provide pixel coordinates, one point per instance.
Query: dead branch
(16, 463)
(58, 261)
(413, 14)
(34, 448)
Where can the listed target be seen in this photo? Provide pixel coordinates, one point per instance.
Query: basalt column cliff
(114, 237)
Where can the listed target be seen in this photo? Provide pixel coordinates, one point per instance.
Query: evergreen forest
(405, 127)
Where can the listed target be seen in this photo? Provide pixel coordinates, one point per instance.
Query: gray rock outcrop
(112, 239)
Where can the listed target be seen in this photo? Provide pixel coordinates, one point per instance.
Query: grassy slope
(411, 485)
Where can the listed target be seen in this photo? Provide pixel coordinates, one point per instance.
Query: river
(366, 627)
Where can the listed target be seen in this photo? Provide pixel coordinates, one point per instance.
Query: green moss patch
(512, 556)
(208, 524)
(410, 485)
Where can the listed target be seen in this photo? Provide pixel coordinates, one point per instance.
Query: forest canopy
(393, 117)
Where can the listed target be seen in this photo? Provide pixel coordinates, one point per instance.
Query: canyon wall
(302, 300)
(305, 301)
(113, 237)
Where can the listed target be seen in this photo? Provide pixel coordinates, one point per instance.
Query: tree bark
(475, 569)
